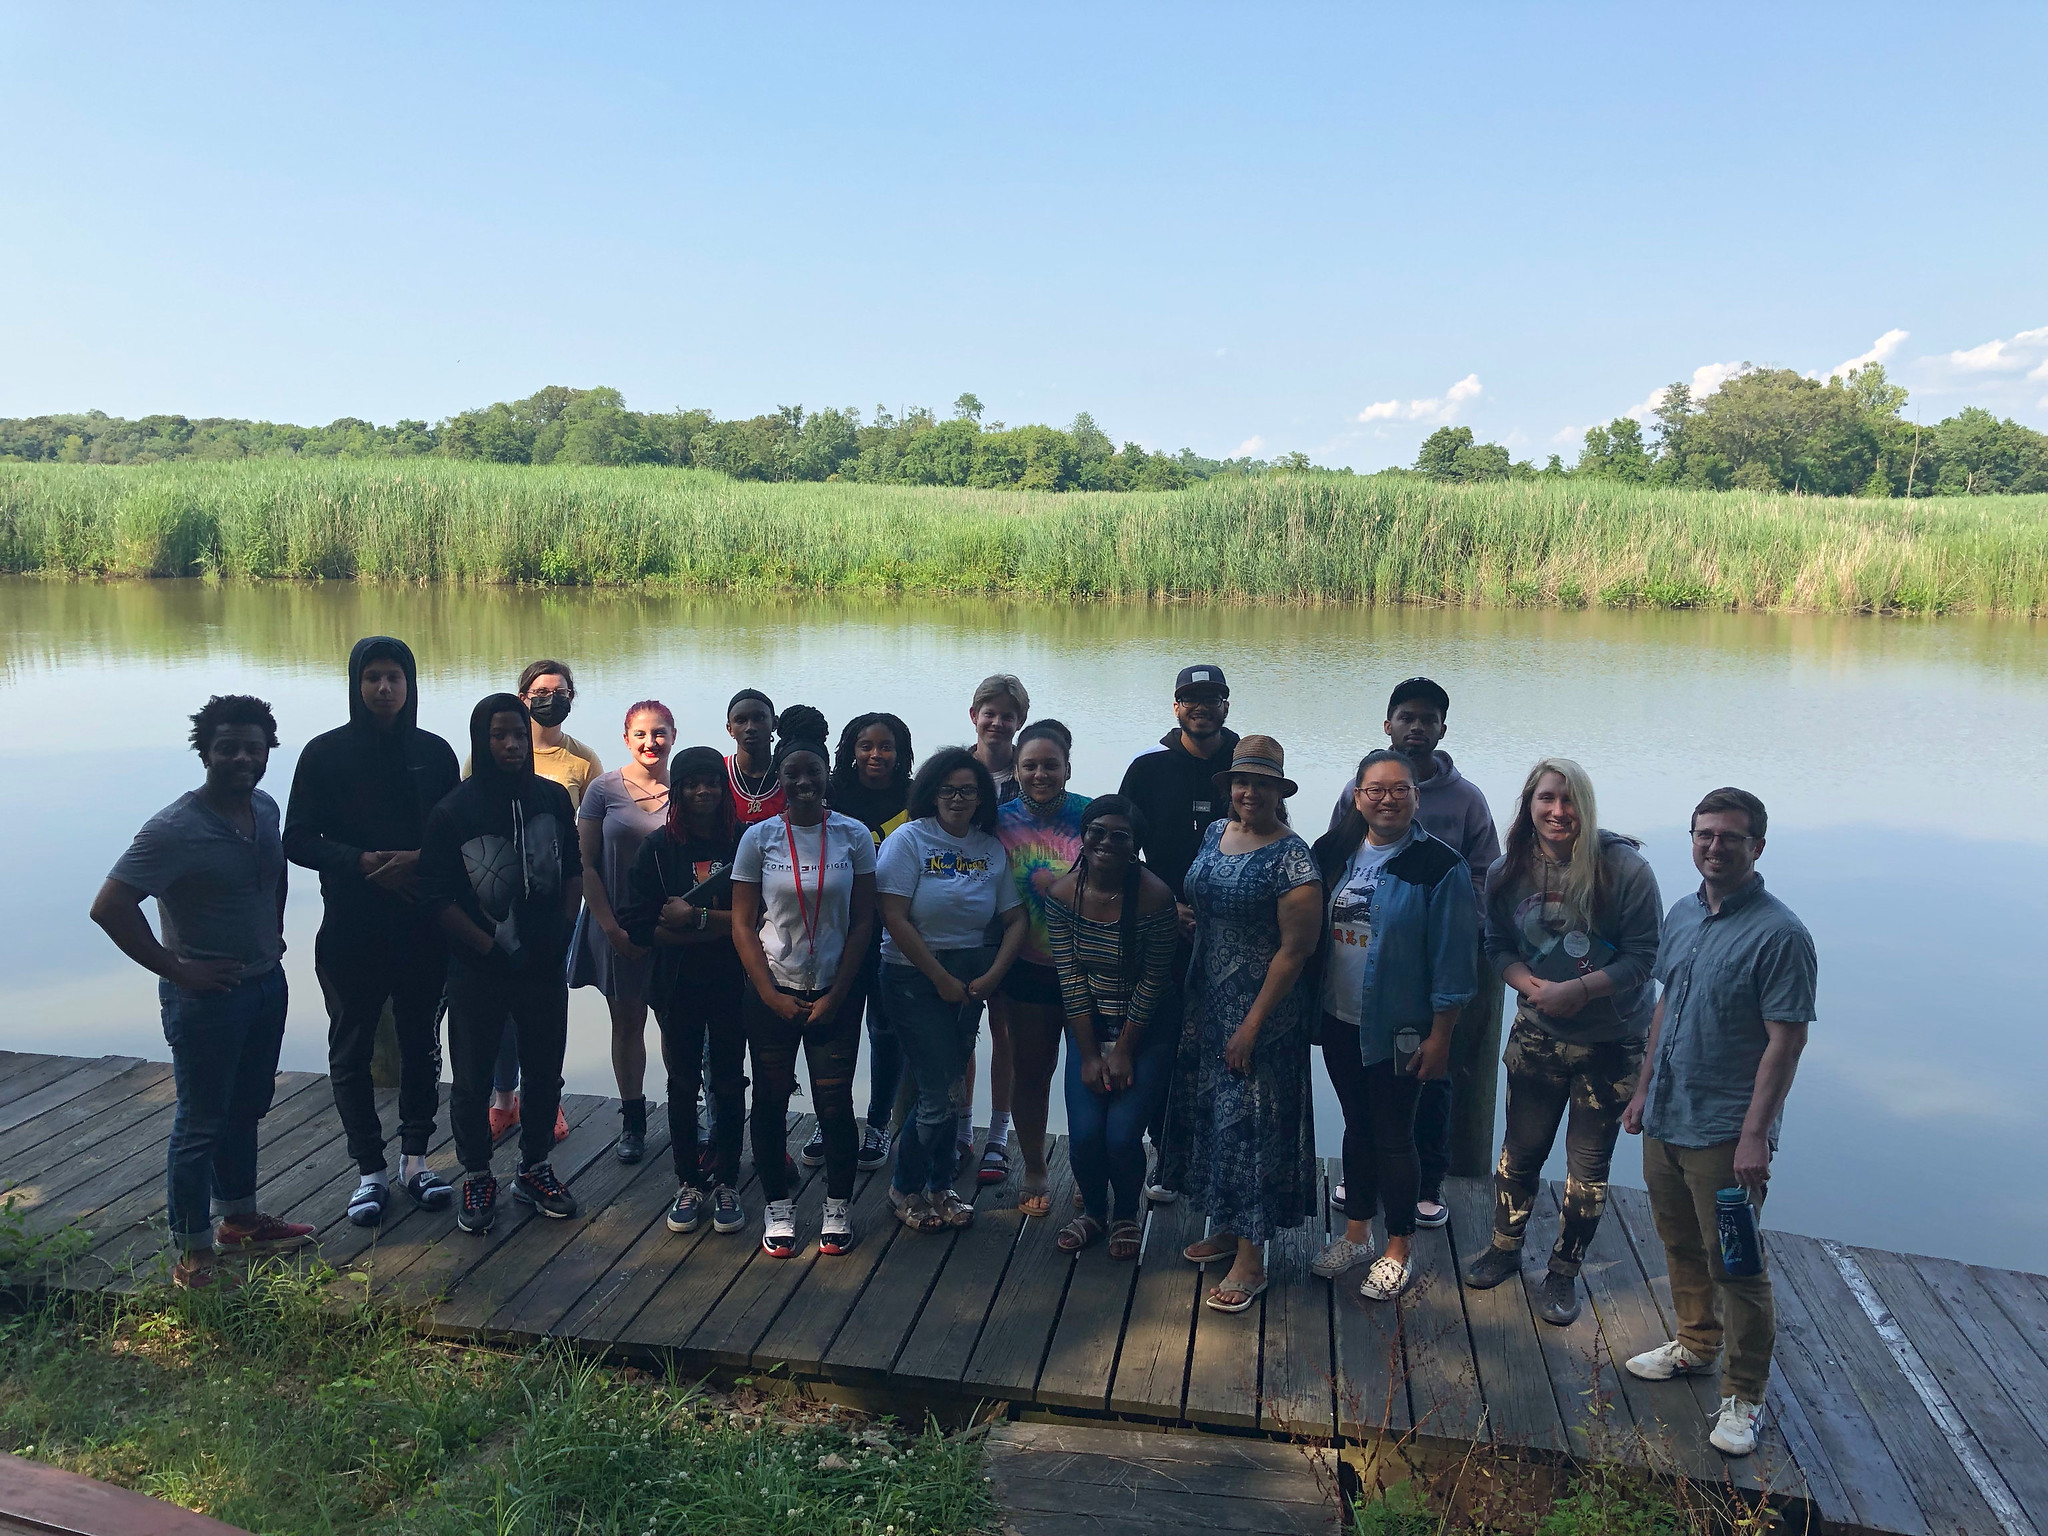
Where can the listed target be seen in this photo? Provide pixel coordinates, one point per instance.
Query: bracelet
(703, 918)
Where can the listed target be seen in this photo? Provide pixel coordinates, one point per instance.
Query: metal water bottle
(1742, 1249)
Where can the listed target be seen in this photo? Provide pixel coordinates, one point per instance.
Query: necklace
(755, 797)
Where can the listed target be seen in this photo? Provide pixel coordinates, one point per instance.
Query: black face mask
(548, 708)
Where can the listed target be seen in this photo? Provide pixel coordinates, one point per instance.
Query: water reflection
(1903, 763)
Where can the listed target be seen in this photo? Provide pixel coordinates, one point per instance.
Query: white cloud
(1568, 434)
(2000, 356)
(1438, 408)
(1248, 447)
(1706, 378)
(1880, 349)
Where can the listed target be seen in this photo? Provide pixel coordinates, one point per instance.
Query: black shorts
(1035, 984)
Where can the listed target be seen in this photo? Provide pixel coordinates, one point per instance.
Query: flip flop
(1035, 1202)
(1205, 1250)
(1247, 1296)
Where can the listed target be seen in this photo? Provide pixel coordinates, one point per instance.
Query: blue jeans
(937, 1040)
(224, 1048)
(1106, 1131)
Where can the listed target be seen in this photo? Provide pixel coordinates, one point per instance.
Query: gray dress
(592, 960)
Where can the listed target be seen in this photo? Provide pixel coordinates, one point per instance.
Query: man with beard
(1173, 786)
(358, 808)
(1452, 809)
(214, 861)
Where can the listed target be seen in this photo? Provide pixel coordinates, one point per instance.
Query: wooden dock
(1910, 1394)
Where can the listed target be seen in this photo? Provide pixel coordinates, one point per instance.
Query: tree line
(1771, 429)
(559, 425)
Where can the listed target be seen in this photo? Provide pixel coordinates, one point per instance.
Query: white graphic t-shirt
(1350, 919)
(956, 885)
(804, 956)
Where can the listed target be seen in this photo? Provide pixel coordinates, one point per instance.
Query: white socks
(998, 1130)
(409, 1164)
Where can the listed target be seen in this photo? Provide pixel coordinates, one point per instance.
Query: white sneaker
(835, 1229)
(1734, 1432)
(1667, 1361)
(1342, 1254)
(1386, 1279)
(778, 1237)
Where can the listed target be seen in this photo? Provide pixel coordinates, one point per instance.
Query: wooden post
(1475, 1077)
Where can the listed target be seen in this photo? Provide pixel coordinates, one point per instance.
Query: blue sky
(1231, 228)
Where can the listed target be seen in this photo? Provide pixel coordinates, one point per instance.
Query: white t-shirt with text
(763, 859)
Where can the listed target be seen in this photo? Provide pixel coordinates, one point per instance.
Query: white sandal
(1387, 1278)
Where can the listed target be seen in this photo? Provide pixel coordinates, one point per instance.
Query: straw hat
(1260, 755)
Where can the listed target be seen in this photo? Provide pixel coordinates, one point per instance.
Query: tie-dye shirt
(1042, 846)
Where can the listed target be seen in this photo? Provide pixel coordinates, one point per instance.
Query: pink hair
(652, 707)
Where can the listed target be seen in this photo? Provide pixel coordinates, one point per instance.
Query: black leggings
(832, 1052)
(1379, 1130)
(697, 1010)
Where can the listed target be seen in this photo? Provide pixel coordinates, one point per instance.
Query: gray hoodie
(1452, 810)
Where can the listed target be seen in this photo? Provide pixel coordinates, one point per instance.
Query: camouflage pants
(1549, 1079)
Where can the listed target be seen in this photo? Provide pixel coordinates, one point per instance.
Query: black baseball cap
(1201, 678)
(1419, 688)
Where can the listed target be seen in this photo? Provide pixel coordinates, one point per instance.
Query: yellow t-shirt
(571, 765)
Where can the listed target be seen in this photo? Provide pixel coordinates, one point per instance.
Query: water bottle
(1406, 1043)
(1742, 1250)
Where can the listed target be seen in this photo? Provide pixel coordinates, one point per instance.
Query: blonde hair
(1002, 685)
(1585, 884)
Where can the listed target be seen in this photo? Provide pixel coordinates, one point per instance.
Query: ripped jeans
(1549, 1078)
(937, 1038)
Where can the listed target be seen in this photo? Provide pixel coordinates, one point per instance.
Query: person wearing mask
(1739, 975)
(1111, 928)
(871, 783)
(620, 810)
(1399, 937)
(501, 868)
(943, 881)
(548, 689)
(750, 769)
(1242, 1121)
(358, 807)
(1040, 830)
(999, 708)
(1572, 917)
(214, 860)
(679, 908)
(803, 906)
(1454, 811)
(1173, 787)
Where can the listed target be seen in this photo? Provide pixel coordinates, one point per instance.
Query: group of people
(1190, 948)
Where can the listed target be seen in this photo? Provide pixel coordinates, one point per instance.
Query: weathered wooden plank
(1584, 1384)
(341, 1242)
(1080, 1363)
(1522, 1409)
(1223, 1358)
(57, 1136)
(2024, 1301)
(70, 1086)
(941, 1343)
(36, 1075)
(803, 1331)
(730, 1330)
(534, 1310)
(1371, 1371)
(1981, 1388)
(1443, 1382)
(1152, 1367)
(1999, 1343)
(1940, 1487)
(1297, 1387)
(1023, 1311)
(12, 1062)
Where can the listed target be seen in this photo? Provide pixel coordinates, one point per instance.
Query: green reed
(1283, 538)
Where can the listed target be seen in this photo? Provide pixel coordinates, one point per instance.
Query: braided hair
(1127, 917)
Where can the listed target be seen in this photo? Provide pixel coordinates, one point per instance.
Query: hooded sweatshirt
(364, 787)
(1451, 809)
(1175, 791)
(501, 846)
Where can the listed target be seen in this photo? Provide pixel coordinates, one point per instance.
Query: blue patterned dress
(1244, 1146)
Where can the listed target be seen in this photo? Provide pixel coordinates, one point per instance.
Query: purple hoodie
(1452, 809)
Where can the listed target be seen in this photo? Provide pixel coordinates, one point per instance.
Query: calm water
(1903, 764)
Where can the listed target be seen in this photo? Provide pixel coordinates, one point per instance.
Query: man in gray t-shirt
(1738, 973)
(214, 861)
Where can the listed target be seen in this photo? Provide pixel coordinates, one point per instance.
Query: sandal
(915, 1211)
(995, 1164)
(1035, 1202)
(952, 1210)
(1207, 1250)
(1245, 1295)
(1126, 1238)
(1081, 1232)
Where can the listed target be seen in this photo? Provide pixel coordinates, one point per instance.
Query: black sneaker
(1492, 1267)
(727, 1214)
(1558, 1302)
(874, 1149)
(538, 1187)
(687, 1214)
(479, 1206)
(814, 1150)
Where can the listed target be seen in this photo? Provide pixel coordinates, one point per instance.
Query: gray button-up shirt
(1724, 973)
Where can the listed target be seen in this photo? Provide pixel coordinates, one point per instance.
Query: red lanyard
(796, 870)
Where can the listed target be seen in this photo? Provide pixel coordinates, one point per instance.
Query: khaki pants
(1709, 1303)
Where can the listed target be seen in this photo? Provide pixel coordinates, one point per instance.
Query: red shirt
(752, 808)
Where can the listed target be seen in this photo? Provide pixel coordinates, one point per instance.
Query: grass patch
(270, 1408)
(1277, 538)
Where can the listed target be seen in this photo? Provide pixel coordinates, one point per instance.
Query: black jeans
(1546, 1078)
(701, 1013)
(1379, 1130)
(832, 1053)
(360, 964)
(481, 999)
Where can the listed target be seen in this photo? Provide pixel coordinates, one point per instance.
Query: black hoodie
(1176, 793)
(362, 787)
(501, 847)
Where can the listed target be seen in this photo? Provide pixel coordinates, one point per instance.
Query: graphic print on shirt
(493, 866)
(1351, 912)
(1549, 934)
(947, 863)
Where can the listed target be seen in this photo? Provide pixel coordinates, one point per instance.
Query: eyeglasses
(1115, 837)
(1721, 839)
(957, 793)
(550, 693)
(1378, 792)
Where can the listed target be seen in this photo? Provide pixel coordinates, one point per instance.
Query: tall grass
(1287, 538)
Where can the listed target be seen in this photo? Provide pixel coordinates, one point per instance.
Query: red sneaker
(561, 1124)
(504, 1121)
(258, 1233)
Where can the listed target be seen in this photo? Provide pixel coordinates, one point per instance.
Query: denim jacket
(1421, 956)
